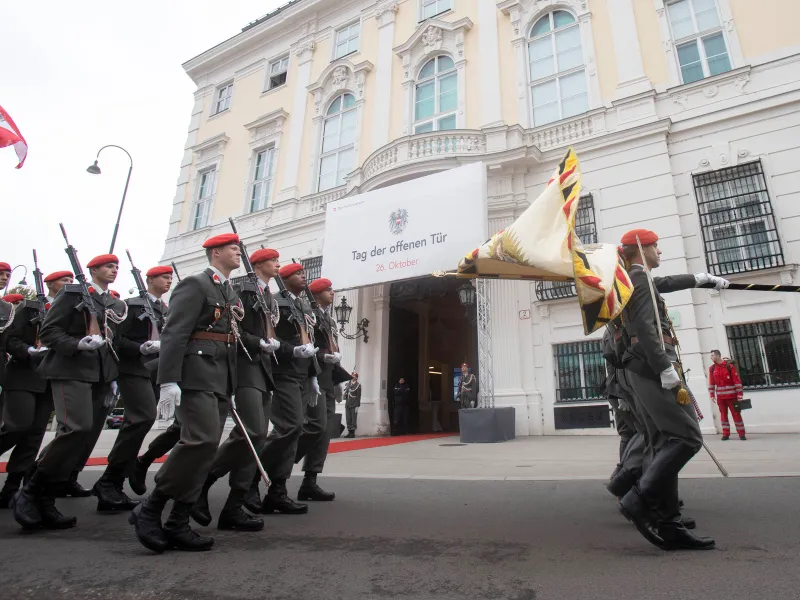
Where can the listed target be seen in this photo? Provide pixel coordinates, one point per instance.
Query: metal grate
(580, 371)
(764, 354)
(313, 267)
(586, 229)
(737, 221)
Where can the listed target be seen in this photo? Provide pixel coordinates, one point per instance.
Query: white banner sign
(406, 230)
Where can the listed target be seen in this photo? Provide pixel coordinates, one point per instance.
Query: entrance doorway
(430, 335)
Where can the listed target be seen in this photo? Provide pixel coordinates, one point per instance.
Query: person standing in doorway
(725, 389)
(352, 401)
(402, 399)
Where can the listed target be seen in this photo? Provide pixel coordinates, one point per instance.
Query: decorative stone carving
(432, 38)
(592, 67)
(305, 51)
(723, 159)
(385, 13)
(743, 153)
(704, 163)
(741, 81)
(729, 24)
(681, 99)
(340, 77)
(711, 91)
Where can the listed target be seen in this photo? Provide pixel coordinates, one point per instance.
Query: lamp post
(95, 170)
(22, 281)
(466, 296)
(343, 318)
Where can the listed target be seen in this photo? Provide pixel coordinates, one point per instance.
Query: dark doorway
(430, 335)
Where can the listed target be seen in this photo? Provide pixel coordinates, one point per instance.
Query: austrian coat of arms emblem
(398, 221)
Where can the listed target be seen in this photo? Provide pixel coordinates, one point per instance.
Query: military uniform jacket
(65, 325)
(135, 331)
(352, 395)
(324, 331)
(201, 303)
(6, 312)
(256, 371)
(646, 356)
(21, 373)
(293, 312)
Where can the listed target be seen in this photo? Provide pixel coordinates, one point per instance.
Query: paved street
(421, 537)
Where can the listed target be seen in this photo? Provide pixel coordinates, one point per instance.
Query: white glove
(315, 385)
(332, 359)
(33, 351)
(670, 378)
(719, 282)
(91, 342)
(111, 398)
(150, 347)
(169, 399)
(114, 388)
(305, 351)
(270, 345)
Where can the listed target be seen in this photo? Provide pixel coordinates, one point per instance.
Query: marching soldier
(159, 446)
(291, 376)
(196, 374)
(6, 313)
(352, 402)
(5, 274)
(255, 382)
(80, 366)
(467, 392)
(55, 282)
(315, 438)
(653, 504)
(137, 343)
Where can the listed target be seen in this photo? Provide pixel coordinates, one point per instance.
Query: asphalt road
(428, 539)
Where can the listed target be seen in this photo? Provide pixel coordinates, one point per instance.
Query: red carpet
(345, 446)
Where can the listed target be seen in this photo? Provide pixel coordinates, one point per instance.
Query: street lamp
(95, 170)
(22, 281)
(343, 318)
(466, 296)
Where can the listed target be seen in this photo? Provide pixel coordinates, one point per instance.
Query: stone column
(630, 70)
(374, 358)
(489, 50)
(385, 17)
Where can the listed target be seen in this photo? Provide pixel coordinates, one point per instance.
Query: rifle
(41, 298)
(87, 302)
(304, 338)
(174, 268)
(149, 309)
(320, 316)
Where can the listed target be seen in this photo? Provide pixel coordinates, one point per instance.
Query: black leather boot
(252, 498)
(138, 477)
(351, 434)
(688, 522)
(233, 518)
(277, 500)
(146, 520)
(677, 537)
(26, 502)
(73, 488)
(109, 498)
(200, 509)
(633, 508)
(621, 482)
(180, 535)
(10, 487)
(309, 490)
(51, 516)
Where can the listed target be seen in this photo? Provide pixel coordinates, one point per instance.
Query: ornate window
(764, 353)
(337, 157)
(557, 72)
(201, 211)
(699, 39)
(436, 96)
(262, 179)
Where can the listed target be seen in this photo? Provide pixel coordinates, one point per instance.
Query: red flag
(10, 136)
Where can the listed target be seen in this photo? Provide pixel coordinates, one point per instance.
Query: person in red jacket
(725, 388)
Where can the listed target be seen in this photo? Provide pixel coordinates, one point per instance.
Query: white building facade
(685, 115)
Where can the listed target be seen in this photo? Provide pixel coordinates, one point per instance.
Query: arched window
(557, 74)
(436, 96)
(338, 142)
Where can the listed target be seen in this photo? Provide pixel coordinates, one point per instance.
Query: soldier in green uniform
(137, 343)
(197, 375)
(352, 402)
(81, 367)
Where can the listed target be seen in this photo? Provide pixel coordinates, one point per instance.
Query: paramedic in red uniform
(725, 388)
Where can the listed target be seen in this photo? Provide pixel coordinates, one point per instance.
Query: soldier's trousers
(81, 416)
(286, 415)
(25, 419)
(164, 441)
(234, 455)
(202, 415)
(351, 414)
(139, 400)
(316, 437)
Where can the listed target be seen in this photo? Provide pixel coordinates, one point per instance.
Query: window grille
(313, 267)
(764, 354)
(580, 371)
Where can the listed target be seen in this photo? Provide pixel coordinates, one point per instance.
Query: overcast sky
(76, 76)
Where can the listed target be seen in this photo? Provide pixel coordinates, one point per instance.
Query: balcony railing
(319, 200)
(425, 146)
(555, 290)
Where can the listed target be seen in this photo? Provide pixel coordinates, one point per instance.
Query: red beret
(223, 239)
(103, 259)
(58, 275)
(14, 298)
(156, 271)
(262, 255)
(320, 285)
(5, 267)
(645, 236)
(290, 269)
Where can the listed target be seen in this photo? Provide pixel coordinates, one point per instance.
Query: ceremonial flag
(10, 136)
(542, 245)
